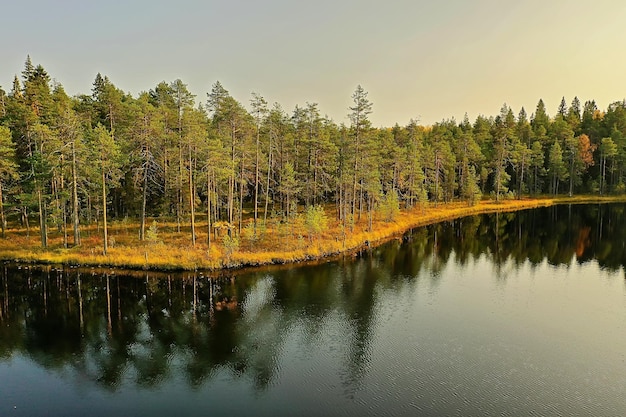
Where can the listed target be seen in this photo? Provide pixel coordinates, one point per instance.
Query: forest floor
(275, 243)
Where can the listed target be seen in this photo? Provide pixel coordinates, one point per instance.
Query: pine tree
(107, 153)
(194, 135)
(146, 156)
(188, 133)
(360, 126)
(260, 111)
(277, 126)
(440, 171)
(562, 108)
(289, 188)
(556, 167)
(536, 164)
(608, 149)
(8, 169)
(413, 173)
(573, 115)
(29, 69)
(540, 118)
(468, 156)
(234, 127)
(503, 136)
(482, 130)
(3, 103)
(69, 130)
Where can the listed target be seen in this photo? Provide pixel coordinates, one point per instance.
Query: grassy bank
(276, 243)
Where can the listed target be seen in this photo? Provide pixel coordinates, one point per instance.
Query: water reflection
(115, 330)
(557, 234)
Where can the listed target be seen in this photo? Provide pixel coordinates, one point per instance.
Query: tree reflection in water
(116, 329)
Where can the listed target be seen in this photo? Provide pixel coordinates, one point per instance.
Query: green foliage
(390, 206)
(289, 187)
(608, 150)
(231, 244)
(556, 166)
(152, 235)
(8, 166)
(471, 191)
(315, 220)
(248, 233)
(261, 229)
(157, 154)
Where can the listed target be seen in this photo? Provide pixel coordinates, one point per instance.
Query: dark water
(501, 315)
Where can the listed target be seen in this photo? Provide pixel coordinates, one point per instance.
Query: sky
(424, 60)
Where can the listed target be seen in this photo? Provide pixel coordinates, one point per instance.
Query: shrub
(231, 244)
(315, 220)
(152, 235)
(248, 233)
(390, 206)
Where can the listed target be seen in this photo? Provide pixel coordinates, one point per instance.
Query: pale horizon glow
(424, 60)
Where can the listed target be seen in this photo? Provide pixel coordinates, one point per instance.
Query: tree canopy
(74, 160)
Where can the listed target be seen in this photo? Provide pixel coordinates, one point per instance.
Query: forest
(240, 168)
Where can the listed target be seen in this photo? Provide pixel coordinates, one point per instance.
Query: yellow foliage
(275, 243)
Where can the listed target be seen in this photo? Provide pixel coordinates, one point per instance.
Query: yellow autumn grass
(276, 244)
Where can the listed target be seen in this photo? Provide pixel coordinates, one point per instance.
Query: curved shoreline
(328, 248)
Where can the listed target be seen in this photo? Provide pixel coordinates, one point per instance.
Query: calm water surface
(511, 314)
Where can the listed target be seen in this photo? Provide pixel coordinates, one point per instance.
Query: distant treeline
(66, 161)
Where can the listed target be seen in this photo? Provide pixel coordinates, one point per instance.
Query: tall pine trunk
(144, 198)
(191, 201)
(179, 196)
(256, 181)
(267, 188)
(104, 212)
(75, 198)
(43, 231)
(3, 222)
(520, 181)
(241, 184)
(208, 208)
(231, 178)
(571, 176)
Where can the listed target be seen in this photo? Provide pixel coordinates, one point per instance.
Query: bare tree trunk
(437, 180)
(3, 222)
(267, 189)
(256, 180)
(75, 198)
(241, 183)
(142, 227)
(165, 188)
(603, 169)
(42, 218)
(339, 201)
(315, 179)
(370, 214)
(65, 239)
(231, 184)
(354, 183)
(104, 212)
(498, 183)
(208, 209)
(360, 199)
(25, 220)
(521, 182)
(571, 176)
(179, 202)
(192, 201)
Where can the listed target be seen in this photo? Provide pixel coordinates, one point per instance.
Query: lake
(507, 314)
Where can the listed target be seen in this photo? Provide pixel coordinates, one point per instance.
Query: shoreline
(174, 257)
